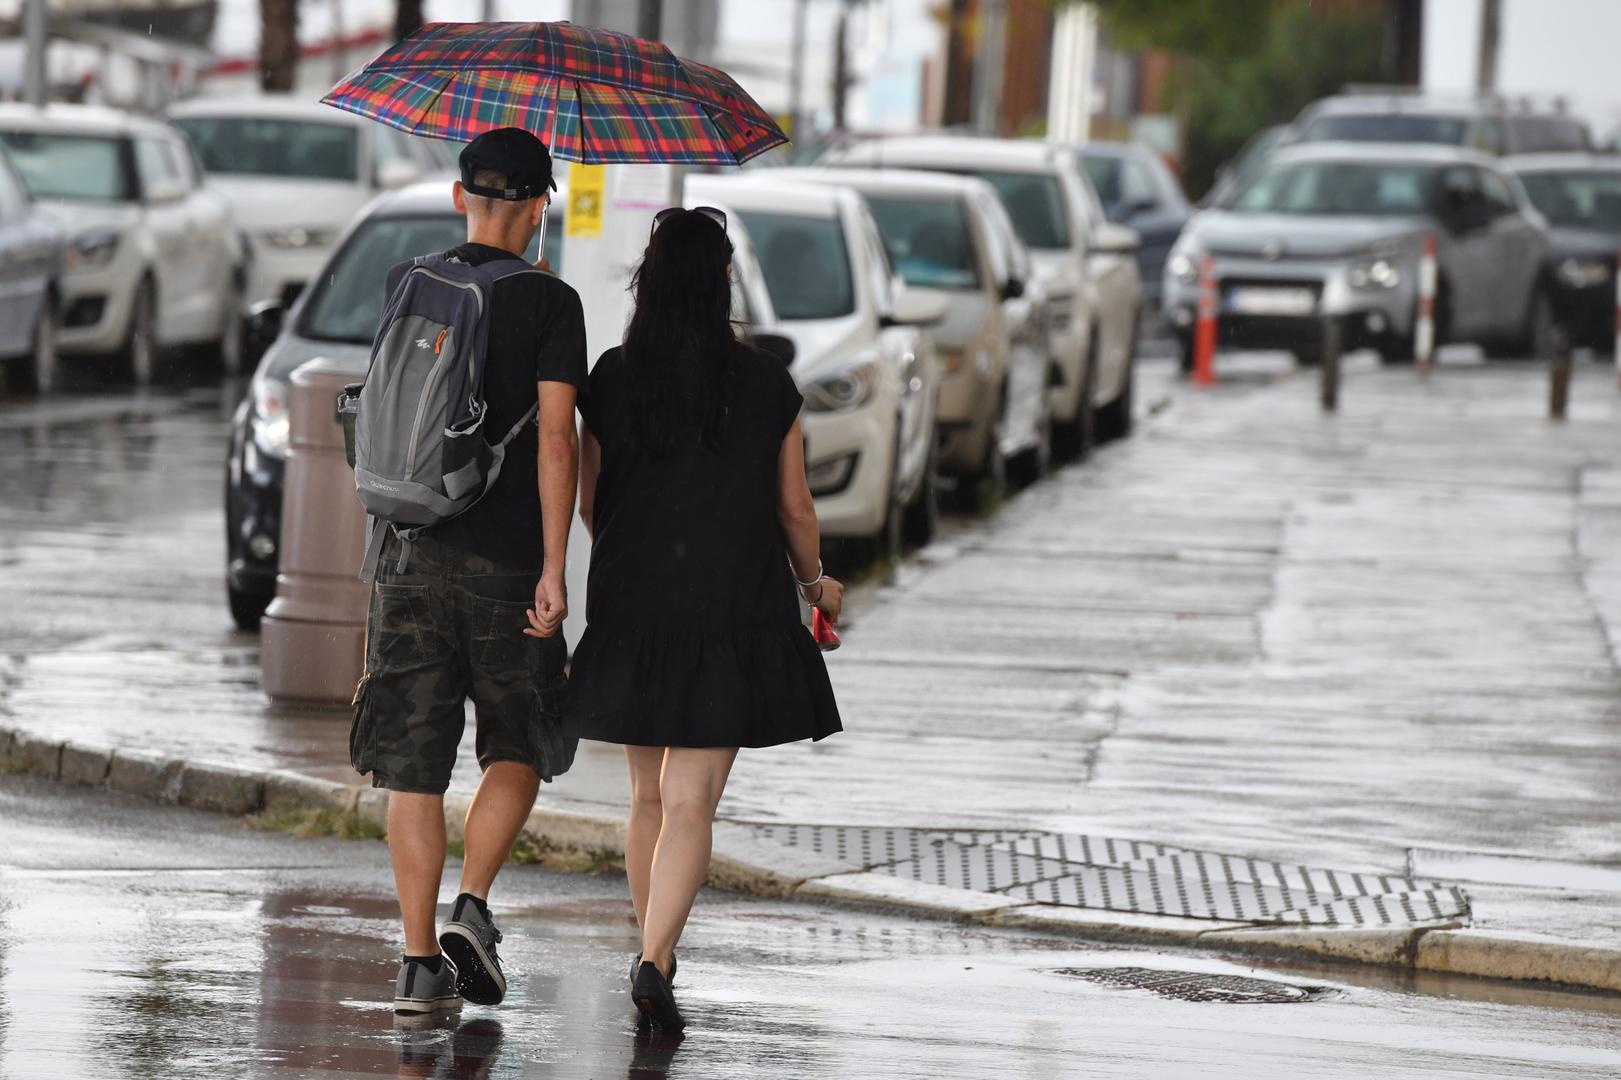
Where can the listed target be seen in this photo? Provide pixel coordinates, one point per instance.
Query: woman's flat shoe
(652, 996)
(637, 963)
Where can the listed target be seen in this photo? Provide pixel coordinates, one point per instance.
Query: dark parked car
(32, 250)
(1138, 190)
(1580, 195)
(1487, 123)
(336, 318)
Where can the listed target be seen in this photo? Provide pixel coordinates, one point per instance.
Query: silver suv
(1336, 230)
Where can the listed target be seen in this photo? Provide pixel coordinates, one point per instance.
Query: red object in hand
(822, 631)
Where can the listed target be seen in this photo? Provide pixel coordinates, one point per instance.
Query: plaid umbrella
(593, 95)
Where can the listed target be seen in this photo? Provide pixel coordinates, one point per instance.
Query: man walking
(472, 607)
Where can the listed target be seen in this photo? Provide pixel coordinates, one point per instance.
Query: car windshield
(92, 167)
(1035, 204)
(1388, 127)
(806, 265)
(1108, 176)
(928, 240)
(264, 146)
(1341, 187)
(1580, 200)
(348, 295)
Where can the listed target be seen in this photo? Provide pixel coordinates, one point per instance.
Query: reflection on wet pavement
(148, 942)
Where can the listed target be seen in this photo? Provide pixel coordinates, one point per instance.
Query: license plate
(1252, 300)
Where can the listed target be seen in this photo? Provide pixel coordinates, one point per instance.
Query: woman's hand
(827, 595)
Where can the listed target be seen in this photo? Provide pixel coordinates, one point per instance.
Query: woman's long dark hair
(680, 349)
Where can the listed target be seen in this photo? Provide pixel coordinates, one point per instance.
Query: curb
(741, 862)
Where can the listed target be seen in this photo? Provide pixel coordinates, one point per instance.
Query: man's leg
(505, 795)
(646, 818)
(692, 784)
(416, 844)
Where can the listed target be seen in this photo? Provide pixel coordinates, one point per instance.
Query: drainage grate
(1115, 874)
(1198, 986)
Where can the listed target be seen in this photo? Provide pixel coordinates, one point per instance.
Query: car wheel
(1034, 463)
(247, 609)
(1538, 339)
(43, 357)
(922, 517)
(981, 492)
(1074, 439)
(141, 347)
(1115, 419)
(232, 345)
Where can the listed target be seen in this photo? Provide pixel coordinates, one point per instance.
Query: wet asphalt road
(156, 942)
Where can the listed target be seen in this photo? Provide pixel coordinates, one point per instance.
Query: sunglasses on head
(713, 213)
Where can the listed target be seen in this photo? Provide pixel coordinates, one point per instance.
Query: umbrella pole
(541, 250)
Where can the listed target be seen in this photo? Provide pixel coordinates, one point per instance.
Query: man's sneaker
(469, 939)
(419, 990)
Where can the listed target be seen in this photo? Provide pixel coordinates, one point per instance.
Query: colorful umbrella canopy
(593, 95)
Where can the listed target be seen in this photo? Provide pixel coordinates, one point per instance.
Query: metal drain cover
(1197, 986)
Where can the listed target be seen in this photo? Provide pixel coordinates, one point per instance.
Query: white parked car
(1085, 265)
(153, 259)
(296, 174)
(867, 370)
(949, 234)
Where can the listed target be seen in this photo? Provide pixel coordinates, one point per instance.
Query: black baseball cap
(515, 153)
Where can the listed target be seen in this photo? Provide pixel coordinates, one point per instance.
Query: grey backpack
(421, 452)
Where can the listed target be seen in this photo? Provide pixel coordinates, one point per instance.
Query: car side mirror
(777, 345)
(916, 306)
(1115, 240)
(1012, 288)
(263, 326)
(396, 172)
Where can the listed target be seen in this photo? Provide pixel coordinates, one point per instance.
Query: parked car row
(1326, 219)
(942, 328)
(161, 234)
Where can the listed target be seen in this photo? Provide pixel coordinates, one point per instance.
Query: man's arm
(559, 467)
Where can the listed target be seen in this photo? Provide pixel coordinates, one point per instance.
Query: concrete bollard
(1424, 330)
(1204, 326)
(314, 634)
(1559, 378)
(1333, 343)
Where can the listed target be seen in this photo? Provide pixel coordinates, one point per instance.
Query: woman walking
(692, 484)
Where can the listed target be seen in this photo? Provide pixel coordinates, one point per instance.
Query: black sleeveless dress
(694, 635)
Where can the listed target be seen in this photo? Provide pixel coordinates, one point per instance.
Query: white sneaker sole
(427, 1005)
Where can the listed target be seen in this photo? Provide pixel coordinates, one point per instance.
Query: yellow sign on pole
(587, 192)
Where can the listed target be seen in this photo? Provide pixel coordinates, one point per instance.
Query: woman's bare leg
(692, 784)
(646, 818)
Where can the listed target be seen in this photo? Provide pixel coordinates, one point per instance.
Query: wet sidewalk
(1383, 643)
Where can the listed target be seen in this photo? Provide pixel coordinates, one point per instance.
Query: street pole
(34, 32)
(1491, 20)
(487, 12)
(649, 17)
(796, 70)
(988, 67)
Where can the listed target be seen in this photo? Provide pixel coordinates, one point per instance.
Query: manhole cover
(1197, 986)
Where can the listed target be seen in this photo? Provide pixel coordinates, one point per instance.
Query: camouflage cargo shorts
(449, 628)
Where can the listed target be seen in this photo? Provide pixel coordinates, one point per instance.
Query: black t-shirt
(690, 541)
(537, 334)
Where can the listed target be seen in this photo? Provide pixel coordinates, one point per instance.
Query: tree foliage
(1195, 28)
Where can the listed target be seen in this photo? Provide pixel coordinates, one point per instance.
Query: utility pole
(649, 19)
(487, 11)
(841, 65)
(796, 71)
(987, 105)
(1491, 19)
(37, 37)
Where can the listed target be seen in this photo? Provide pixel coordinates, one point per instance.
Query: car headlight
(1583, 273)
(1376, 273)
(847, 389)
(273, 430)
(297, 237)
(91, 250)
(1182, 267)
